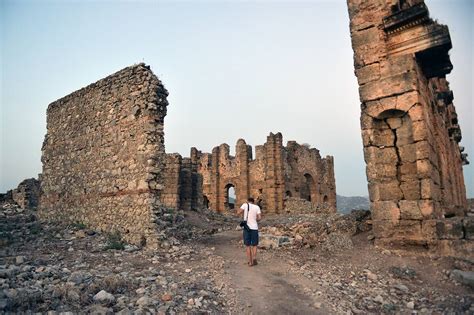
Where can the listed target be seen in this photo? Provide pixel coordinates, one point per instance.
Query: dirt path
(267, 288)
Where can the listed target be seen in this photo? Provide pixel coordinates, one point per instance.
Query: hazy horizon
(233, 70)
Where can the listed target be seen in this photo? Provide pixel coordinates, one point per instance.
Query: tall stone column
(214, 196)
(242, 156)
(274, 173)
(410, 146)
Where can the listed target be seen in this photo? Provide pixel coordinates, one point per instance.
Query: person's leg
(248, 250)
(254, 246)
(254, 255)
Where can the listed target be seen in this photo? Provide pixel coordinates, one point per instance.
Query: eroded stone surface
(409, 124)
(103, 155)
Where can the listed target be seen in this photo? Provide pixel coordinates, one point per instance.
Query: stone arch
(325, 199)
(288, 194)
(392, 164)
(228, 195)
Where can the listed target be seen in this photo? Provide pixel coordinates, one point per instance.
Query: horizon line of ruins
(104, 159)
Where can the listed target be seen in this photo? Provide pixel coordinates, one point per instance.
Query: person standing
(252, 214)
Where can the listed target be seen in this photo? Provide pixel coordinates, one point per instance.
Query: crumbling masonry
(104, 163)
(409, 124)
(103, 155)
(276, 173)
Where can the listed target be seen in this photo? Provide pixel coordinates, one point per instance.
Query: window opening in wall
(230, 196)
(205, 202)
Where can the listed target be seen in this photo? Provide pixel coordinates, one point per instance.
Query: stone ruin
(409, 125)
(26, 195)
(104, 162)
(103, 155)
(276, 174)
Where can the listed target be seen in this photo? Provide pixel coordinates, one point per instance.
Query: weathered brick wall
(103, 155)
(205, 178)
(409, 125)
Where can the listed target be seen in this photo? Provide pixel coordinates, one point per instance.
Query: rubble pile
(328, 231)
(74, 269)
(17, 224)
(299, 205)
(186, 225)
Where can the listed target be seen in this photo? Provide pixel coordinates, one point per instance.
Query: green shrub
(114, 241)
(79, 225)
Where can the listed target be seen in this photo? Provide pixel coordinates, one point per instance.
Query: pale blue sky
(233, 69)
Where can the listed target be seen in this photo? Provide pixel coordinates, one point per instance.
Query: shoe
(255, 262)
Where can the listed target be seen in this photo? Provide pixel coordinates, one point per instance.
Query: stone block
(464, 277)
(427, 208)
(368, 73)
(407, 153)
(411, 189)
(384, 228)
(397, 65)
(386, 171)
(404, 133)
(408, 168)
(384, 137)
(376, 108)
(386, 155)
(389, 86)
(374, 192)
(366, 122)
(450, 229)
(385, 210)
(409, 230)
(406, 101)
(423, 150)
(428, 190)
(394, 122)
(409, 210)
(424, 168)
(390, 191)
(468, 223)
(420, 130)
(416, 112)
(367, 137)
(429, 229)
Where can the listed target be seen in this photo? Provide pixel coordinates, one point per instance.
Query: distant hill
(231, 200)
(347, 204)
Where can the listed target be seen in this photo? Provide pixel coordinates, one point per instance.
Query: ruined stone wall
(205, 178)
(27, 194)
(182, 183)
(409, 125)
(103, 155)
(170, 194)
(309, 176)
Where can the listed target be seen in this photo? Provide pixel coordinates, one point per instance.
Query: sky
(233, 69)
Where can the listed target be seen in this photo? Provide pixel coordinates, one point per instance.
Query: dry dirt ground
(73, 269)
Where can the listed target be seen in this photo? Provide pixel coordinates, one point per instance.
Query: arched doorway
(205, 202)
(308, 188)
(230, 197)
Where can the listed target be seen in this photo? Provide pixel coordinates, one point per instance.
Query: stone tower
(409, 124)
